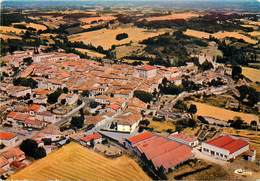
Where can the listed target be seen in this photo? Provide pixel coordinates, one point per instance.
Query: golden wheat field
(91, 53)
(9, 29)
(107, 37)
(254, 33)
(225, 34)
(219, 35)
(174, 16)
(101, 18)
(6, 37)
(251, 73)
(222, 114)
(197, 34)
(75, 162)
(36, 26)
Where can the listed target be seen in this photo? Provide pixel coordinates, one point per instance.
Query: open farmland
(96, 19)
(36, 26)
(74, 162)
(220, 35)
(254, 33)
(126, 50)
(5, 37)
(225, 34)
(197, 34)
(91, 53)
(32, 25)
(8, 29)
(251, 73)
(222, 114)
(107, 37)
(174, 16)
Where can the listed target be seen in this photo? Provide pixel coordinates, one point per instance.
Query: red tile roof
(182, 136)
(147, 67)
(114, 106)
(3, 161)
(229, 143)
(7, 136)
(35, 107)
(140, 137)
(90, 137)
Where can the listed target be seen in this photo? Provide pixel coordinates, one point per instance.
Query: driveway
(202, 156)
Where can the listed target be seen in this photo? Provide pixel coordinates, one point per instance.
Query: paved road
(202, 156)
(67, 117)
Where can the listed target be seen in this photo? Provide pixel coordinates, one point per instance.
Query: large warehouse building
(225, 147)
(160, 151)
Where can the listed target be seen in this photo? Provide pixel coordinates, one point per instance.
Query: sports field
(75, 162)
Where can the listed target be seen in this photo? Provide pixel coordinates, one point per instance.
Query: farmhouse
(7, 138)
(225, 147)
(167, 155)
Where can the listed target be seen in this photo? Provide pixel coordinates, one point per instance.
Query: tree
(238, 123)
(85, 93)
(143, 96)
(63, 101)
(236, 72)
(93, 104)
(29, 147)
(206, 65)
(253, 123)
(53, 97)
(192, 109)
(181, 105)
(65, 90)
(121, 36)
(39, 153)
(28, 60)
(77, 122)
(27, 82)
(248, 95)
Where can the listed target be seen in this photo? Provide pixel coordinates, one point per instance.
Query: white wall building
(225, 147)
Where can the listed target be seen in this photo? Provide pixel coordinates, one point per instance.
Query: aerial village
(66, 115)
(96, 107)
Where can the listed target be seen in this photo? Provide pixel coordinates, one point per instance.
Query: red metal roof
(90, 137)
(162, 151)
(174, 157)
(228, 143)
(140, 137)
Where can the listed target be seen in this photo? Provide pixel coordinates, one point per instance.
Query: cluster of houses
(12, 157)
(29, 116)
(117, 115)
